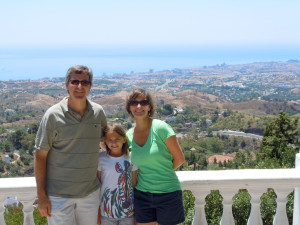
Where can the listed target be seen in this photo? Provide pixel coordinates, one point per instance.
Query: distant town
(218, 112)
(276, 81)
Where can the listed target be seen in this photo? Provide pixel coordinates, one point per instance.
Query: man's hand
(44, 206)
(40, 165)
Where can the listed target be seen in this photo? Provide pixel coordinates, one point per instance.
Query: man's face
(79, 90)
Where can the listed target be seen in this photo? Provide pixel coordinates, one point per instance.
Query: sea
(23, 63)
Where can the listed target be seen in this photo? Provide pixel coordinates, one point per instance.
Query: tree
(167, 109)
(235, 142)
(202, 163)
(215, 145)
(281, 141)
(33, 128)
(16, 138)
(2, 129)
(6, 145)
(27, 143)
(203, 123)
(215, 117)
(192, 158)
(2, 164)
(243, 144)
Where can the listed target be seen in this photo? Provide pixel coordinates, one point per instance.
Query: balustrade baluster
(27, 201)
(2, 209)
(199, 217)
(255, 214)
(281, 215)
(296, 214)
(200, 183)
(227, 216)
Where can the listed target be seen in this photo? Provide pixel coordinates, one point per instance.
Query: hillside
(261, 107)
(115, 102)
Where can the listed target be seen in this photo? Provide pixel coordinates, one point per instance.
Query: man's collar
(64, 104)
(66, 108)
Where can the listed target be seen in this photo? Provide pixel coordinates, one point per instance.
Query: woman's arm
(174, 148)
(134, 178)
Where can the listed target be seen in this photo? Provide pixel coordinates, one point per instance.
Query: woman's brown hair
(135, 94)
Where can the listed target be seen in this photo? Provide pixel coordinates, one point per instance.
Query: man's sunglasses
(142, 103)
(82, 82)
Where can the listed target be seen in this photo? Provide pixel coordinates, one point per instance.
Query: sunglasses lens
(83, 82)
(74, 82)
(135, 103)
(144, 102)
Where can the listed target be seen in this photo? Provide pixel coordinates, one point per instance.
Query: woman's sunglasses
(142, 103)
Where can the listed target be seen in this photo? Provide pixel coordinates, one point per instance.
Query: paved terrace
(228, 182)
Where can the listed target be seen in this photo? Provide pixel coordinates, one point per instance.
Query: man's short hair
(79, 70)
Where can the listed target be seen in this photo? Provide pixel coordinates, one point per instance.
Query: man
(66, 158)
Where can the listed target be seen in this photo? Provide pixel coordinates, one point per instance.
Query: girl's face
(140, 107)
(114, 141)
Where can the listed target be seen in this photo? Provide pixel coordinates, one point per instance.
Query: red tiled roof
(219, 158)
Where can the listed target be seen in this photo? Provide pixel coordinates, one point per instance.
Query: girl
(117, 177)
(155, 150)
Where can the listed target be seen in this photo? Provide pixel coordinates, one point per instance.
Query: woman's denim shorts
(164, 208)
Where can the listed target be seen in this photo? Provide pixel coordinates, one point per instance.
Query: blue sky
(35, 23)
(44, 38)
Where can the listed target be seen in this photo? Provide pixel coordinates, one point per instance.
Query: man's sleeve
(43, 138)
(103, 120)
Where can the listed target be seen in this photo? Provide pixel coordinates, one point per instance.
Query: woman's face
(140, 107)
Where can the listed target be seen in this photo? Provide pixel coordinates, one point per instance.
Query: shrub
(14, 216)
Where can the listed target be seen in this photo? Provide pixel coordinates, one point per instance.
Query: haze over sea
(36, 63)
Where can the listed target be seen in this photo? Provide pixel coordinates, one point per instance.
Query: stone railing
(24, 188)
(228, 182)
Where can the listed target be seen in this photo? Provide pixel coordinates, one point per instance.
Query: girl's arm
(174, 148)
(99, 212)
(99, 175)
(134, 177)
(99, 216)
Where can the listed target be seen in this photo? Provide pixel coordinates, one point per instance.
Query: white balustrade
(227, 217)
(24, 188)
(228, 182)
(281, 216)
(296, 214)
(2, 208)
(255, 215)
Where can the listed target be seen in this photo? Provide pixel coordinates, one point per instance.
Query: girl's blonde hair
(120, 131)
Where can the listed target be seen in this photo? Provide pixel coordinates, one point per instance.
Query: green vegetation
(277, 150)
(14, 216)
(23, 142)
(280, 143)
(198, 142)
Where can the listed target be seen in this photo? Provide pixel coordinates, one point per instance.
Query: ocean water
(36, 63)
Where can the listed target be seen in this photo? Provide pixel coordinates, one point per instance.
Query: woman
(156, 152)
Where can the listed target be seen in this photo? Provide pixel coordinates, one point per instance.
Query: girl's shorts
(164, 208)
(121, 221)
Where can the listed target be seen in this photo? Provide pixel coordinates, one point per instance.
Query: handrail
(228, 182)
